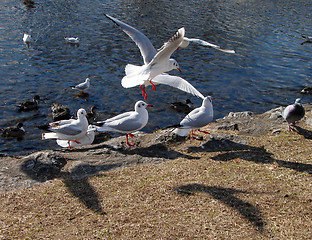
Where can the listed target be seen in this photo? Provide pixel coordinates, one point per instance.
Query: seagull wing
(169, 47)
(204, 43)
(177, 82)
(125, 122)
(68, 129)
(119, 117)
(146, 47)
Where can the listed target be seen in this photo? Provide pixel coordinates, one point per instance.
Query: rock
(309, 121)
(245, 114)
(43, 166)
(233, 127)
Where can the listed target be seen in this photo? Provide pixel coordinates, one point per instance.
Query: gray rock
(234, 115)
(43, 166)
(233, 127)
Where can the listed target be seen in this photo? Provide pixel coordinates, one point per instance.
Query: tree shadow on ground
(235, 150)
(227, 196)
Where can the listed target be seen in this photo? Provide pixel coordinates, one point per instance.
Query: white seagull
(72, 40)
(82, 86)
(186, 41)
(69, 130)
(27, 39)
(155, 62)
(293, 113)
(86, 139)
(127, 122)
(196, 119)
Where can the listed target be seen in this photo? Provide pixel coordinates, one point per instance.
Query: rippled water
(269, 69)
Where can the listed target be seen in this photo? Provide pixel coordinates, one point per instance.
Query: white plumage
(155, 63)
(69, 130)
(186, 41)
(197, 118)
(27, 39)
(86, 139)
(82, 86)
(127, 122)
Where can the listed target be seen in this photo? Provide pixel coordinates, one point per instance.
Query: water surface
(269, 69)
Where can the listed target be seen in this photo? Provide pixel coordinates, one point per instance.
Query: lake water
(268, 70)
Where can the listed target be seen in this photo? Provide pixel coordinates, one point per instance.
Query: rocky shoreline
(228, 133)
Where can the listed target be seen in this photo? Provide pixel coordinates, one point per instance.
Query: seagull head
(81, 112)
(141, 105)
(298, 101)
(87, 79)
(174, 64)
(207, 102)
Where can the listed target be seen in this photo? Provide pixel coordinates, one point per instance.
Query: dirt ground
(249, 178)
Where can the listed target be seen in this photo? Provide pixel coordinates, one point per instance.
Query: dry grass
(260, 192)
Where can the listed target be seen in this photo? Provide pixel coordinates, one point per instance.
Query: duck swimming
(30, 104)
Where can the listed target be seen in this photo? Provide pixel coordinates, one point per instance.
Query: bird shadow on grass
(75, 181)
(233, 150)
(304, 132)
(158, 150)
(227, 196)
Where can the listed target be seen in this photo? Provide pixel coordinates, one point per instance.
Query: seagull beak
(149, 105)
(178, 48)
(179, 69)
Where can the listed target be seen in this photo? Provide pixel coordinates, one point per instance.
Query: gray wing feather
(204, 43)
(146, 47)
(177, 82)
(68, 130)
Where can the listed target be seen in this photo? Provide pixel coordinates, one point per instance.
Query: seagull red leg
(144, 94)
(192, 133)
(154, 88)
(204, 132)
(131, 135)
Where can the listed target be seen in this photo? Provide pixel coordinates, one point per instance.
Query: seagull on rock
(86, 139)
(197, 118)
(293, 113)
(156, 63)
(69, 130)
(127, 122)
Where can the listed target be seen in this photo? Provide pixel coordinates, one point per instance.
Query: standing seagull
(196, 119)
(127, 122)
(27, 39)
(82, 86)
(155, 63)
(86, 139)
(69, 130)
(293, 113)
